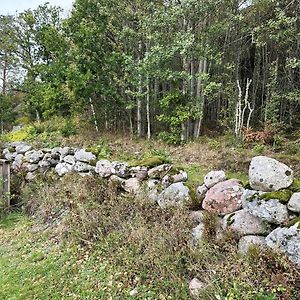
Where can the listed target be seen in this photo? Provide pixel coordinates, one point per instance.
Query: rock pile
(265, 215)
(161, 184)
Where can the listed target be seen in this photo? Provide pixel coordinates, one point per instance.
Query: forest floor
(142, 252)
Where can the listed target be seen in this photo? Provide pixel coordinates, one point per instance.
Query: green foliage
(283, 196)
(68, 129)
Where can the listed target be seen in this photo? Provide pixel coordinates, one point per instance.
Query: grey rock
(287, 240)
(116, 180)
(63, 168)
(65, 152)
(10, 156)
(17, 163)
(159, 172)
(150, 190)
(131, 185)
(195, 288)
(30, 167)
(139, 172)
(267, 174)
(249, 240)
(182, 176)
(271, 210)
(120, 169)
(34, 156)
(82, 167)
(174, 195)
(22, 148)
(201, 192)
(198, 216)
(70, 159)
(214, 177)
(294, 203)
(44, 166)
(243, 223)
(52, 158)
(103, 168)
(198, 233)
(84, 156)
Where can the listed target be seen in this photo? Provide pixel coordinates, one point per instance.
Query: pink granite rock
(224, 197)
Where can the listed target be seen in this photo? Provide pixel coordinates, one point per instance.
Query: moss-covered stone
(149, 162)
(283, 196)
(295, 187)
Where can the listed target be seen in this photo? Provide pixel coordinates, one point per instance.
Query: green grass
(34, 266)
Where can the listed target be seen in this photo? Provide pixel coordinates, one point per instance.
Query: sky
(11, 6)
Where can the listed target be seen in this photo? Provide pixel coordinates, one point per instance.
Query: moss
(283, 196)
(293, 222)
(149, 162)
(230, 219)
(295, 187)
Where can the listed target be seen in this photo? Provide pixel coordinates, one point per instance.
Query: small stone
(63, 168)
(82, 167)
(34, 156)
(84, 156)
(198, 233)
(70, 159)
(195, 287)
(201, 192)
(17, 163)
(159, 172)
(249, 240)
(139, 172)
(131, 185)
(30, 176)
(30, 167)
(294, 203)
(214, 177)
(174, 195)
(120, 169)
(22, 148)
(103, 168)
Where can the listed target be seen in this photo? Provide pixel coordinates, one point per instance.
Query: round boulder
(224, 197)
(267, 174)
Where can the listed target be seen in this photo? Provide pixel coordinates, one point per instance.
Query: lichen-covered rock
(82, 167)
(44, 166)
(247, 241)
(140, 173)
(267, 174)
(84, 156)
(201, 192)
(65, 152)
(8, 155)
(224, 197)
(214, 177)
(131, 185)
(120, 169)
(271, 210)
(70, 159)
(34, 156)
(294, 203)
(174, 195)
(243, 223)
(103, 168)
(159, 172)
(22, 148)
(195, 287)
(63, 168)
(287, 240)
(52, 158)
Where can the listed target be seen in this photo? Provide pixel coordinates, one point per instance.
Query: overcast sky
(11, 6)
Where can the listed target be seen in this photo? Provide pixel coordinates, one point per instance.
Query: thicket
(167, 68)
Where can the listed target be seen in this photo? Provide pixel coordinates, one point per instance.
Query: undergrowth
(147, 249)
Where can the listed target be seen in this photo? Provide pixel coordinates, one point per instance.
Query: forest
(167, 69)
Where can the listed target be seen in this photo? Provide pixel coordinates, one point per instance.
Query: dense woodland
(154, 68)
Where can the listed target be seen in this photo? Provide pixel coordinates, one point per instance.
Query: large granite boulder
(267, 174)
(243, 223)
(224, 197)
